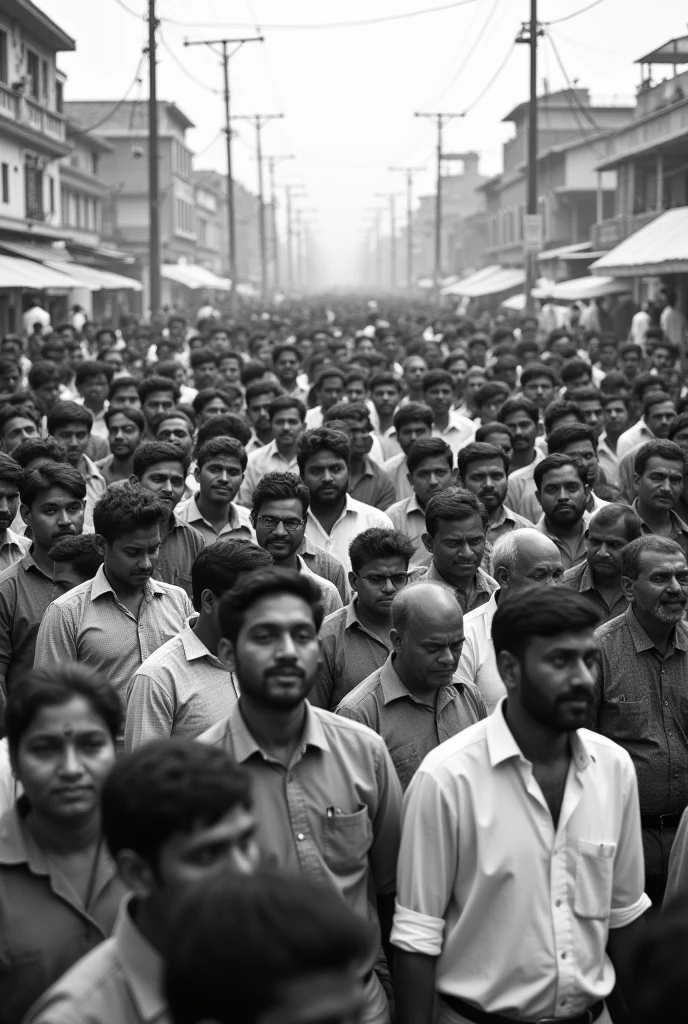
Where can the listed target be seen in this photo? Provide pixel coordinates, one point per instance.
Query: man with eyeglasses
(280, 504)
(355, 640)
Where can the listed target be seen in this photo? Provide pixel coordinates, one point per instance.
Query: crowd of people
(344, 670)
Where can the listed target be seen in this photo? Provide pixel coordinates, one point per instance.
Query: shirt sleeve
(427, 866)
(677, 884)
(387, 494)
(7, 602)
(150, 712)
(56, 640)
(248, 486)
(386, 823)
(629, 900)
(468, 662)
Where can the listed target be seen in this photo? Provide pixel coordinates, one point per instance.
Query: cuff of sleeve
(416, 933)
(622, 916)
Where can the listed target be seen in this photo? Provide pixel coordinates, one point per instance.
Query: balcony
(32, 123)
(667, 127)
(608, 233)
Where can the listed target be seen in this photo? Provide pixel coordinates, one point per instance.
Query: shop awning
(661, 247)
(504, 280)
(96, 279)
(464, 286)
(564, 251)
(18, 273)
(194, 277)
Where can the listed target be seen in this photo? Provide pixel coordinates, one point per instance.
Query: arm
(414, 987)
(622, 946)
(56, 640)
(321, 694)
(677, 883)
(385, 913)
(150, 713)
(387, 494)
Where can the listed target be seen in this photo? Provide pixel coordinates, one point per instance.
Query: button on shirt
(333, 814)
(355, 518)
(12, 548)
(478, 663)
(459, 432)
(409, 727)
(180, 690)
(350, 653)
(408, 517)
(89, 624)
(261, 461)
(580, 578)
(45, 927)
(475, 827)
(520, 492)
(397, 470)
(642, 703)
(679, 529)
(25, 593)
(177, 554)
(237, 527)
(119, 982)
(574, 552)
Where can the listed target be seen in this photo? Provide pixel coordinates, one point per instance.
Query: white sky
(349, 94)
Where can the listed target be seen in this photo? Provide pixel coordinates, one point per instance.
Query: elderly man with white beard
(641, 697)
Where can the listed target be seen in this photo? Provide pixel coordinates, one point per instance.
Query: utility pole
(392, 236)
(272, 160)
(409, 172)
(291, 190)
(231, 219)
(301, 244)
(440, 120)
(153, 170)
(259, 121)
(532, 240)
(376, 210)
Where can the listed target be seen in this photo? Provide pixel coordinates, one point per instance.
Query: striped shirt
(350, 653)
(237, 527)
(89, 624)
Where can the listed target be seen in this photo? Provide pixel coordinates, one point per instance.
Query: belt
(660, 820)
(481, 1017)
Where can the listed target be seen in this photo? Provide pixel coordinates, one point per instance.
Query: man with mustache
(658, 481)
(430, 471)
(520, 875)
(640, 699)
(220, 466)
(563, 492)
(484, 469)
(368, 481)
(12, 545)
(287, 415)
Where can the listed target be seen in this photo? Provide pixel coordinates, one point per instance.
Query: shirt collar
(641, 640)
(193, 647)
(481, 582)
(413, 505)
(502, 746)
(194, 514)
(245, 746)
(12, 539)
(87, 468)
(28, 562)
(142, 965)
(678, 524)
(101, 585)
(393, 688)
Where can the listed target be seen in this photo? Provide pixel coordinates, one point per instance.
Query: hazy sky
(349, 93)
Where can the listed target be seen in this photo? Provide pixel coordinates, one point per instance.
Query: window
(94, 163)
(5, 182)
(3, 58)
(32, 69)
(51, 193)
(44, 81)
(33, 189)
(59, 101)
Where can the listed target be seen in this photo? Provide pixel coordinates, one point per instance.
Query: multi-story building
(461, 203)
(210, 198)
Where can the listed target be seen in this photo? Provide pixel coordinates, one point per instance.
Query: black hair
(434, 377)
(487, 429)
(613, 381)
(412, 412)
(261, 387)
(615, 512)
(557, 410)
(284, 402)
(384, 378)
(428, 448)
(533, 613)
(279, 487)
(585, 394)
(202, 355)
(135, 415)
(631, 555)
(217, 446)
(120, 383)
(224, 424)
(177, 413)
(655, 399)
(661, 449)
(569, 433)
(43, 371)
(679, 422)
(279, 350)
(266, 583)
(378, 542)
(64, 413)
(456, 503)
(218, 566)
(519, 403)
(39, 448)
(573, 369)
(53, 474)
(92, 368)
(492, 389)
(613, 396)
(552, 462)
(207, 395)
(347, 411)
(323, 439)
(150, 453)
(11, 471)
(531, 371)
(80, 551)
(154, 383)
(123, 510)
(477, 452)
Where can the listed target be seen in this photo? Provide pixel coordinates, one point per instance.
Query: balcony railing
(25, 111)
(608, 233)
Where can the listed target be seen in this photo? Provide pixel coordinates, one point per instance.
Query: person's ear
(136, 873)
(501, 574)
(100, 544)
(397, 640)
(25, 513)
(225, 652)
(636, 482)
(208, 600)
(509, 668)
(134, 480)
(352, 582)
(429, 543)
(537, 495)
(627, 587)
(197, 474)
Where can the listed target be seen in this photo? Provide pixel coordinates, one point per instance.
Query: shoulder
(399, 507)
(362, 695)
(609, 631)
(396, 460)
(9, 575)
(75, 597)
(171, 593)
(450, 757)
(349, 733)
(606, 750)
(334, 622)
(368, 511)
(167, 654)
(243, 513)
(572, 577)
(519, 475)
(182, 509)
(85, 992)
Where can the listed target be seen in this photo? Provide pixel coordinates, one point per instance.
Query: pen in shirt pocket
(333, 812)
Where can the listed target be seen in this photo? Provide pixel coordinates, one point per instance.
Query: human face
(473, 384)
(205, 374)
(54, 514)
(457, 548)
(660, 485)
(490, 409)
(564, 348)
(660, 417)
(661, 589)
(257, 412)
(287, 367)
(433, 356)
(17, 430)
(63, 759)
(413, 372)
(503, 439)
(177, 431)
(681, 438)
(287, 427)
(327, 477)
(385, 398)
(458, 368)
(410, 432)
(220, 478)
(215, 407)
(131, 560)
(359, 434)
(94, 391)
(277, 652)
(430, 477)
(377, 583)
(355, 391)
(74, 436)
(661, 358)
(322, 997)
(585, 451)
(166, 481)
(429, 650)
(507, 374)
(124, 436)
(9, 381)
(615, 417)
(280, 526)
(486, 478)
(630, 364)
(440, 398)
(608, 356)
(156, 404)
(9, 503)
(522, 429)
(113, 358)
(230, 369)
(539, 390)
(330, 392)
(477, 352)
(49, 393)
(563, 497)
(126, 398)
(591, 408)
(605, 545)
(365, 347)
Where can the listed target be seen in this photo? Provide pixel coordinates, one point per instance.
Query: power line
(181, 66)
(574, 14)
(495, 76)
(471, 52)
(574, 105)
(134, 14)
(469, 31)
(113, 110)
(574, 94)
(202, 152)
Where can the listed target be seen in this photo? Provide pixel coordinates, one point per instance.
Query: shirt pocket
(348, 838)
(406, 761)
(594, 878)
(628, 719)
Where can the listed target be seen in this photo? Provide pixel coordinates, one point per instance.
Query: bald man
(414, 701)
(519, 559)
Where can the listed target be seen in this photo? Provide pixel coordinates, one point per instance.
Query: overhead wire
(486, 88)
(113, 110)
(583, 110)
(134, 14)
(182, 67)
(574, 104)
(574, 14)
(469, 32)
(478, 39)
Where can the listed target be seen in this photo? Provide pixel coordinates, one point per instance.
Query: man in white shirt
(287, 415)
(438, 393)
(36, 315)
(520, 874)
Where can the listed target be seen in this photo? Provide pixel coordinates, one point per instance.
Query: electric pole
(532, 240)
(376, 210)
(272, 160)
(153, 170)
(440, 120)
(291, 190)
(409, 172)
(231, 220)
(392, 236)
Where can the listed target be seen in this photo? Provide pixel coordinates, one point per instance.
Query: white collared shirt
(261, 461)
(519, 912)
(478, 664)
(356, 517)
(608, 460)
(459, 432)
(636, 435)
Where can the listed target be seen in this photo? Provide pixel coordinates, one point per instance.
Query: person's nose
(223, 476)
(388, 586)
(286, 647)
(145, 561)
(433, 480)
(327, 476)
(673, 586)
(584, 674)
(62, 517)
(445, 656)
(4, 504)
(70, 764)
(280, 529)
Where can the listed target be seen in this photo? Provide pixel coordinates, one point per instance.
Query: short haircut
(519, 403)
(123, 510)
(218, 566)
(228, 447)
(532, 613)
(412, 412)
(261, 387)
(658, 398)
(557, 410)
(569, 433)
(43, 371)
(428, 448)
(487, 429)
(175, 414)
(284, 402)
(458, 353)
(237, 940)
(202, 355)
(378, 542)
(456, 503)
(347, 411)
(531, 371)
(278, 486)
(224, 424)
(55, 686)
(155, 383)
(283, 349)
(614, 396)
(80, 551)
(228, 353)
(586, 394)
(254, 372)
(64, 413)
(616, 512)
(39, 448)
(644, 382)
(266, 583)
(323, 439)
(558, 461)
(91, 368)
(206, 395)
(630, 346)
(135, 415)
(11, 471)
(120, 383)
(679, 423)
(329, 371)
(489, 391)
(479, 452)
(632, 554)
(8, 364)
(150, 453)
(383, 378)
(434, 377)
(658, 448)
(613, 381)
(573, 369)
(52, 474)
